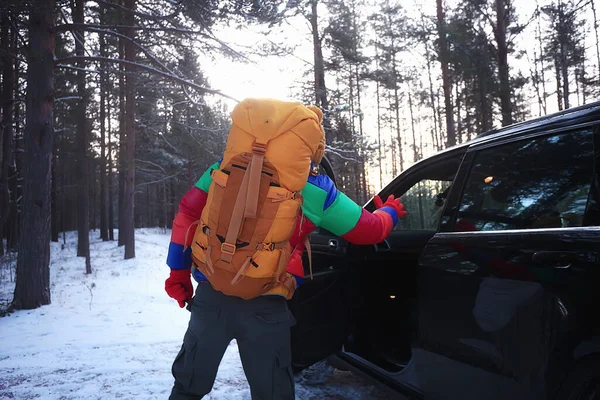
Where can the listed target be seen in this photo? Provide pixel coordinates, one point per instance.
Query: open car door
(318, 305)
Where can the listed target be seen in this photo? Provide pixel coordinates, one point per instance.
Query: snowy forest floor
(113, 334)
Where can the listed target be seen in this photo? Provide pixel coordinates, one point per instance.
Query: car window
(536, 183)
(424, 202)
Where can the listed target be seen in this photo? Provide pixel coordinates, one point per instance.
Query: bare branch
(61, 63)
(139, 14)
(147, 52)
(77, 38)
(166, 178)
(68, 27)
(68, 98)
(330, 151)
(137, 160)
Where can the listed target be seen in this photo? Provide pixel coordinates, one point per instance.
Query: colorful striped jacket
(323, 206)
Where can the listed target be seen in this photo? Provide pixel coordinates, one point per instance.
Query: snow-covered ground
(114, 334)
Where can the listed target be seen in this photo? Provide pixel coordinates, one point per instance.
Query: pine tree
(32, 287)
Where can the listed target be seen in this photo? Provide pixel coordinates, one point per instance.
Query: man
(260, 325)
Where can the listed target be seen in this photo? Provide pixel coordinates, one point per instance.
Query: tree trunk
(54, 230)
(542, 67)
(129, 190)
(559, 97)
(434, 131)
(443, 56)
(412, 125)
(122, 142)
(111, 214)
(535, 79)
(163, 211)
(32, 288)
(320, 88)
(6, 135)
(597, 40)
(564, 68)
(398, 131)
(15, 172)
(102, 161)
(93, 198)
(500, 33)
(83, 188)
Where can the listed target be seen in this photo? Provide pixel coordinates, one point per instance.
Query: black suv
(489, 288)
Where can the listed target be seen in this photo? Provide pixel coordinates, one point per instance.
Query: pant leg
(204, 344)
(263, 335)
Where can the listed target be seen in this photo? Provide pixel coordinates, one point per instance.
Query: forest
(109, 115)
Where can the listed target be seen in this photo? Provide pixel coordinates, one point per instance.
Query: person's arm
(179, 259)
(343, 217)
(331, 209)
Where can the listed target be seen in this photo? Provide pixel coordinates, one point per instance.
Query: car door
(503, 284)
(318, 305)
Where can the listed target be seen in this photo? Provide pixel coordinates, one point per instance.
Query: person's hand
(391, 202)
(179, 286)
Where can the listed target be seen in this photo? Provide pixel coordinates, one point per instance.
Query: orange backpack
(241, 243)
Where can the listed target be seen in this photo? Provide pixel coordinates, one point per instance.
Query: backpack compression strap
(246, 201)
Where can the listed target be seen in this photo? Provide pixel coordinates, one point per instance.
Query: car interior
(382, 289)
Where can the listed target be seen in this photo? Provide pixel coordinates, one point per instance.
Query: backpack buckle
(228, 248)
(258, 148)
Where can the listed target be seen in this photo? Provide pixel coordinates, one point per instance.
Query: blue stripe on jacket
(177, 258)
(325, 183)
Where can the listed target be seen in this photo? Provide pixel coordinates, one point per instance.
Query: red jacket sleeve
(190, 210)
(371, 228)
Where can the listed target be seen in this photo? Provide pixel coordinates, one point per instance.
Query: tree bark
(93, 195)
(129, 190)
(379, 152)
(54, 228)
(6, 134)
(14, 185)
(446, 85)
(559, 97)
(111, 214)
(434, 130)
(564, 66)
(320, 88)
(122, 142)
(542, 67)
(32, 288)
(412, 125)
(597, 39)
(502, 47)
(102, 161)
(83, 188)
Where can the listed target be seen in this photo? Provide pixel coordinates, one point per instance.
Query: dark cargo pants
(261, 327)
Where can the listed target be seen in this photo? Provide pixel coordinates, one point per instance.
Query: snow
(114, 334)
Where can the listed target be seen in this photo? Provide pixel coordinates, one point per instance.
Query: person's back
(259, 324)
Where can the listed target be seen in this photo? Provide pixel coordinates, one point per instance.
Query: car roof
(569, 117)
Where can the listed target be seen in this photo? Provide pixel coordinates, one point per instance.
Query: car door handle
(555, 259)
(383, 246)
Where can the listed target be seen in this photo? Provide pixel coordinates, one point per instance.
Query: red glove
(395, 204)
(179, 286)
